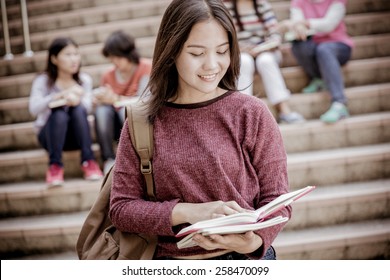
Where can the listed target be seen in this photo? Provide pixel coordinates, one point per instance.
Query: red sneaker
(55, 175)
(91, 170)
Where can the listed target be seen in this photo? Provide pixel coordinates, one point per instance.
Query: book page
(239, 218)
(57, 103)
(281, 201)
(253, 219)
(234, 229)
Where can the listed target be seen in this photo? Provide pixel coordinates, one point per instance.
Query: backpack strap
(141, 134)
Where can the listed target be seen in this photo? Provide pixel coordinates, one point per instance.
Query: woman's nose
(211, 62)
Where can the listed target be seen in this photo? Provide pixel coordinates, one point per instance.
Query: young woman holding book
(216, 151)
(60, 99)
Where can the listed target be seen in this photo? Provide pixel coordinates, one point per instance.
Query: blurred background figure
(60, 99)
(120, 85)
(322, 54)
(259, 44)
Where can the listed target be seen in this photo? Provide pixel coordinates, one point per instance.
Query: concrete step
(91, 55)
(348, 164)
(361, 240)
(327, 205)
(61, 255)
(86, 14)
(31, 165)
(355, 73)
(357, 24)
(88, 34)
(21, 237)
(19, 136)
(369, 46)
(282, 8)
(362, 100)
(342, 165)
(43, 7)
(340, 204)
(40, 234)
(89, 16)
(313, 135)
(35, 198)
(355, 131)
(364, 240)
(22, 136)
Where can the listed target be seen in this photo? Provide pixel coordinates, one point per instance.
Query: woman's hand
(195, 212)
(241, 243)
(298, 28)
(106, 96)
(73, 95)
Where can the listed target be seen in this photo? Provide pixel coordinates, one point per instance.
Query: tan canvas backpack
(98, 238)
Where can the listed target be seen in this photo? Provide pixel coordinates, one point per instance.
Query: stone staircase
(346, 217)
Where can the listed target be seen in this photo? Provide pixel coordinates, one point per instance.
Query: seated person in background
(259, 43)
(60, 98)
(128, 78)
(322, 54)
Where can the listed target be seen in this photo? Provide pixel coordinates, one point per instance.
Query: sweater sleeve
(86, 99)
(270, 162)
(39, 97)
(130, 211)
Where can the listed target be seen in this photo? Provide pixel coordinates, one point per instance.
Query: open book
(242, 222)
(126, 102)
(265, 46)
(57, 103)
(290, 35)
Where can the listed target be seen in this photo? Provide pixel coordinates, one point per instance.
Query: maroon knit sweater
(228, 148)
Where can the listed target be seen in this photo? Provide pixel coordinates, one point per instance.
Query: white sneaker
(292, 117)
(107, 165)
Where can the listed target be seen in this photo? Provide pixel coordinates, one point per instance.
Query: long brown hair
(176, 25)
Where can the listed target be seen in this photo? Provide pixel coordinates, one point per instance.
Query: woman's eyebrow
(203, 47)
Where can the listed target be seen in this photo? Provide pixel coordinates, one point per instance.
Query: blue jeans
(324, 61)
(269, 255)
(66, 129)
(108, 124)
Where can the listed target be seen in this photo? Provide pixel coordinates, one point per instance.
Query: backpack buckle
(146, 168)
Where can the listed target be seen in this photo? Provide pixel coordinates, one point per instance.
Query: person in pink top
(216, 151)
(128, 78)
(322, 54)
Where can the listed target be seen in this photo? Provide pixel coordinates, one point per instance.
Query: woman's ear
(53, 59)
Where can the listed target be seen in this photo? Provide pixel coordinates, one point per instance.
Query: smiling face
(202, 62)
